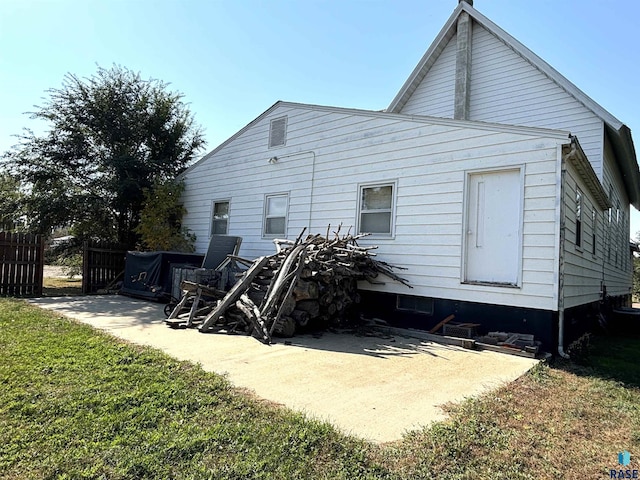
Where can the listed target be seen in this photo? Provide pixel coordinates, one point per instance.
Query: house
(501, 187)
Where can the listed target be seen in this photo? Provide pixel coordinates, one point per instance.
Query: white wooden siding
(618, 266)
(435, 95)
(611, 265)
(340, 150)
(506, 88)
(583, 271)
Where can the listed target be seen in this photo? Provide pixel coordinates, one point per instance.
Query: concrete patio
(376, 388)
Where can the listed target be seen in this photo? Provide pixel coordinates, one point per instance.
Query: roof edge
(625, 153)
(543, 66)
(584, 168)
(618, 131)
(231, 138)
(501, 127)
(421, 69)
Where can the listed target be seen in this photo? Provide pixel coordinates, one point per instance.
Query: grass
(552, 423)
(76, 403)
(60, 287)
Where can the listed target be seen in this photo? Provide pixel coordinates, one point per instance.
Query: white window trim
(213, 211)
(578, 212)
(394, 194)
(264, 215)
(594, 232)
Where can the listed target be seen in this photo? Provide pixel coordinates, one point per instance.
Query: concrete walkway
(374, 388)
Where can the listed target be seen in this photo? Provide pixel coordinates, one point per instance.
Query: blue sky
(234, 59)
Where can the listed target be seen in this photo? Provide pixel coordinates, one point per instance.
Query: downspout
(563, 172)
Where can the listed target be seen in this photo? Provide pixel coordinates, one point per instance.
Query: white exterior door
(493, 227)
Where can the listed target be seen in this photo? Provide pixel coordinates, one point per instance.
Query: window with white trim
(376, 209)
(578, 218)
(220, 218)
(618, 233)
(606, 233)
(594, 229)
(275, 214)
(610, 211)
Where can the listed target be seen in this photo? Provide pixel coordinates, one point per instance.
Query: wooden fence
(102, 265)
(21, 264)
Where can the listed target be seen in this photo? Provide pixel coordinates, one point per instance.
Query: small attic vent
(278, 132)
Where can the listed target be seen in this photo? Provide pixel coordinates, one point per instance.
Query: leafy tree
(10, 203)
(160, 226)
(109, 136)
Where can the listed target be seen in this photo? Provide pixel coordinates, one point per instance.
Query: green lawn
(75, 403)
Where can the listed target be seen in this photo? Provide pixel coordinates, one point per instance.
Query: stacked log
(310, 283)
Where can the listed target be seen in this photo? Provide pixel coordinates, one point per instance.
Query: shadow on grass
(613, 357)
(61, 287)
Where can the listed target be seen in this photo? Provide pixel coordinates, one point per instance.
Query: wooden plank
(21, 264)
(234, 293)
(301, 257)
(25, 279)
(18, 281)
(102, 263)
(12, 267)
(85, 266)
(4, 277)
(442, 323)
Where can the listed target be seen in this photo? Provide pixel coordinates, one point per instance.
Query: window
(606, 234)
(278, 132)
(617, 234)
(611, 201)
(220, 218)
(376, 209)
(414, 304)
(275, 214)
(594, 225)
(578, 218)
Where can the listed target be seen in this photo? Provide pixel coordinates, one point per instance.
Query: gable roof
(493, 127)
(619, 133)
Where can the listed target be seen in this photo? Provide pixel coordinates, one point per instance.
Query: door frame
(466, 217)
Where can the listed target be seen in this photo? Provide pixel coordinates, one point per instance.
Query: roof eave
(573, 152)
(625, 153)
(231, 138)
(619, 133)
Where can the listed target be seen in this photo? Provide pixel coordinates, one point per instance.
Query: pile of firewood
(310, 283)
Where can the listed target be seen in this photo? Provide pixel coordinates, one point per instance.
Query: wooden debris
(443, 322)
(309, 282)
(192, 292)
(237, 290)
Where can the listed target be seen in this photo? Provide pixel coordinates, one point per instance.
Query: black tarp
(149, 274)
